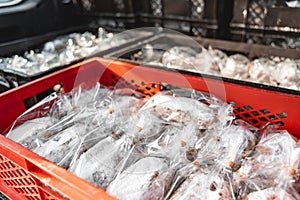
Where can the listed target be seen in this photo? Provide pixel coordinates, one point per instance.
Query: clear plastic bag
(273, 193)
(206, 63)
(62, 51)
(79, 98)
(105, 159)
(269, 165)
(186, 58)
(136, 180)
(28, 125)
(236, 67)
(29, 129)
(204, 186)
(66, 111)
(219, 58)
(161, 185)
(195, 107)
(286, 74)
(175, 143)
(143, 127)
(179, 58)
(67, 144)
(295, 168)
(226, 147)
(218, 153)
(149, 54)
(180, 110)
(260, 71)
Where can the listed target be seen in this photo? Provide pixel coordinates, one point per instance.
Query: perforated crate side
(257, 106)
(254, 116)
(25, 175)
(23, 183)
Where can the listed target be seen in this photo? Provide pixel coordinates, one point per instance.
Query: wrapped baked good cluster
(4, 83)
(61, 51)
(177, 144)
(274, 71)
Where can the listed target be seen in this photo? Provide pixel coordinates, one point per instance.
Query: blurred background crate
(272, 22)
(117, 14)
(11, 78)
(207, 18)
(166, 40)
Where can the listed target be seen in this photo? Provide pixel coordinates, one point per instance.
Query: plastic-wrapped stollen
(66, 111)
(222, 111)
(62, 148)
(218, 153)
(219, 58)
(260, 71)
(204, 63)
(103, 160)
(29, 129)
(143, 126)
(176, 144)
(189, 59)
(268, 166)
(160, 185)
(203, 186)
(173, 141)
(147, 53)
(287, 74)
(295, 167)
(236, 67)
(177, 110)
(61, 51)
(179, 58)
(271, 193)
(77, 100)
(136, 180)
(226, 147)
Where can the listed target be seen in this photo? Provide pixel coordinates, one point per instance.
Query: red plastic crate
(25, 175)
